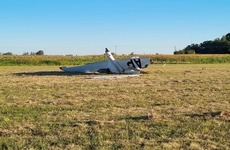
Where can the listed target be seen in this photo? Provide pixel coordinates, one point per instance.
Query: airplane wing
(88, 68)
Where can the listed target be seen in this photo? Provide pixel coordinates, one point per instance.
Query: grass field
(174, 106)
(46, 60)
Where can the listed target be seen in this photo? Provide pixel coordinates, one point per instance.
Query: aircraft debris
(133, 65)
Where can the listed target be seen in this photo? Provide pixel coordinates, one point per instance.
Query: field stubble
(175, 106)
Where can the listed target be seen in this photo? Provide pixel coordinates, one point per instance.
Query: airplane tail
(113, 64)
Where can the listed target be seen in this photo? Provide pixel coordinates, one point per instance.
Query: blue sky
(83, 27)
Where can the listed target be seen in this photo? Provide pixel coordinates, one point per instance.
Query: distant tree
(190, 52)
(69, 55)
(223, 38)
(8, 53)
(25, 53)
(217, 39)
(32, 53)
(40, 52)
(179, 52)
(217, 46)
(228, 37)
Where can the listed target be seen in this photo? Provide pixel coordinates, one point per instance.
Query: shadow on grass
(205, 115)
(48, 73)
(139, 118)
(95, 76)
(129, 118)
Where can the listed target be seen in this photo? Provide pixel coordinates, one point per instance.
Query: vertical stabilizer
(113, 65)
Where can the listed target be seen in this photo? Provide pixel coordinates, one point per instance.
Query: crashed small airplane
(112, 66)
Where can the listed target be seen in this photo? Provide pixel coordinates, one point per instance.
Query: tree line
(40, 52)
(217, 46)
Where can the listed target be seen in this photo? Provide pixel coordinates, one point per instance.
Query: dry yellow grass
(169, 108)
